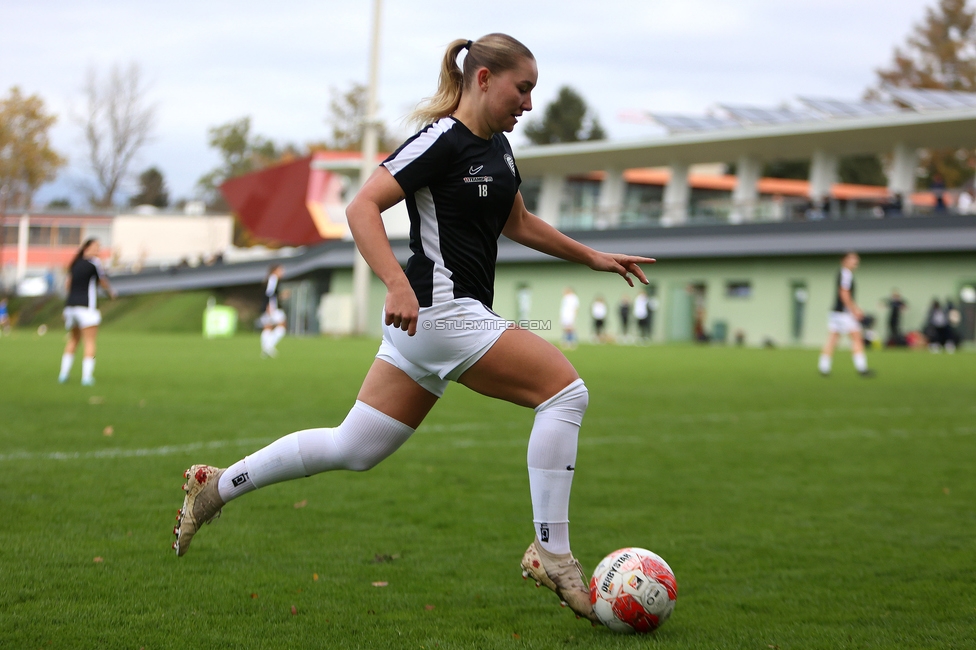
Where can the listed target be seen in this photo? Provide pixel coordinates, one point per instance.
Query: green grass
(796, 511)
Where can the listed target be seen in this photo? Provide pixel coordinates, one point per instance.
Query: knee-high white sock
(552, 462)
(67, 360)
(266, 341)
(860, 362)
(364, 438)
(824, 363)
(87, 368)
(277, 334)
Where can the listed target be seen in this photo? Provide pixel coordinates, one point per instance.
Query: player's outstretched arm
(531, 231)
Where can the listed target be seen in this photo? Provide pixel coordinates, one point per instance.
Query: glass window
(642, 205)
(530, 189)
(578, 209)
(39, 236)
(69, 236)
(10, 235)
(738, 289)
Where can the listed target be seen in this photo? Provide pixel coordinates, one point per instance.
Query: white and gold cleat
(201, 505)
(562, 574)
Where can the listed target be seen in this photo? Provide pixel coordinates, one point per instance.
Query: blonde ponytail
(497, 52)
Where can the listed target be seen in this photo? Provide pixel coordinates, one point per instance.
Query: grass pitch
(796, 511)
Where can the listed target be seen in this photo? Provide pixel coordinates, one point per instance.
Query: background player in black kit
(81, 315)
(845, 318)
(460, 183)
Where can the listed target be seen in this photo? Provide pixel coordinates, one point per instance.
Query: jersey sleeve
(846, 279)
(423, 158)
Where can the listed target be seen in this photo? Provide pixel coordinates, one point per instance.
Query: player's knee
(573, 399)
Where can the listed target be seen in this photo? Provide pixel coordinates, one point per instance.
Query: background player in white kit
(845, 318)
(273, 317)
(460, 183)
(81, 315)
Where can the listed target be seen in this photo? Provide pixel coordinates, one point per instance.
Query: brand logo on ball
(635, 582)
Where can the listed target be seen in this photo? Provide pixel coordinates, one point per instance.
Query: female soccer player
(81, 316)
(273, 318)
(460, 182)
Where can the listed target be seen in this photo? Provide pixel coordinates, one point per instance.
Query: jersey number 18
(482, 190)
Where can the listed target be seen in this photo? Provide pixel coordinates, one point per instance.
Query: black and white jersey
(85, 275)
(271, 293)
(845, 280)
(459, 191)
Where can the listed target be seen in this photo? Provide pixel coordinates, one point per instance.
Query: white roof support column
(550, 198)
(901, 178)
(612, 191)
(677, 195)
(823, 174)
(745, 196)
(23, 233)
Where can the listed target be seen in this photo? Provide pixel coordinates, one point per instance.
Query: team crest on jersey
(511, 163)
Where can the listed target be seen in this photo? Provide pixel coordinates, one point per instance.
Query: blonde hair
(497, 52)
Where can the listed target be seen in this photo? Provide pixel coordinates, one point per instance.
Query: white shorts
(450, 338)
(81, 317)
(842, 322)
(277, 317)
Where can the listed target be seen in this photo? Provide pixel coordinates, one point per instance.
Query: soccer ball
(633, 590)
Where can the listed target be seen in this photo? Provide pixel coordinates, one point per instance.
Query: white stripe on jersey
(92, 293)
(420, 144)
(443, 286)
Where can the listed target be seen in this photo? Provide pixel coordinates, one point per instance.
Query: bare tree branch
(118, 122)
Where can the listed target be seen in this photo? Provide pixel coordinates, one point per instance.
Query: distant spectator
(642, 314)
(937, 328)
(937, 187)
(4, 317)
(624, 310)
(568, 308)
(954, 316)
(599, 311)
(896, 305)
(964, 202)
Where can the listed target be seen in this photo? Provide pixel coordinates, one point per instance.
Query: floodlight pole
(361, 275)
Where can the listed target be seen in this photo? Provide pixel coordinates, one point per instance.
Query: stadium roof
(918, 118)
(949, 234)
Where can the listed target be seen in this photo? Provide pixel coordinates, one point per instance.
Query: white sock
(266, 341)
(551, 459)
(67, 360)
(364, 438)
(860, 362)
(277, 334)
(87, 368)
(824, 363)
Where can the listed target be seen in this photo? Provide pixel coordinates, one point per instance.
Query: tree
(240, 153)
(118, 122)
(940, 54)
(152, 189)
(27, 160)
(567, 119)
(347, 113)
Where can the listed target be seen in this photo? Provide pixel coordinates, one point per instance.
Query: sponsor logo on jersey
(478, 179)
(474, 170)
(511, 163)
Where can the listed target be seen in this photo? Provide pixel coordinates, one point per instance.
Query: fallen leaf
(294, 610)
(301, 504)
(254, 595)
(98, 560)
(428, 607)
(515, 635)
(108, 431)
(95, 399)
(315, 577)
(945, 490)
(380, 584)
(380, 558)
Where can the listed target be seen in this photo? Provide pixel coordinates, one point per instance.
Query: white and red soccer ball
(633, 590)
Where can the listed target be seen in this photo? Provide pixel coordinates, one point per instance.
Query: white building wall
(140, 240)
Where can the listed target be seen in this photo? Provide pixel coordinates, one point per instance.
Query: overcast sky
(212, 61)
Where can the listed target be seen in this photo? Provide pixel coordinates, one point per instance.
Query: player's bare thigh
(391, 391)
(521, 368)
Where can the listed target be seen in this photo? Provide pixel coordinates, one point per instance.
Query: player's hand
(402, 309)
(622, 265)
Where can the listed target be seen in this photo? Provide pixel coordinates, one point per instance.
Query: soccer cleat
(87, 382)
(867, 374)
(201, 504)
(560, 573)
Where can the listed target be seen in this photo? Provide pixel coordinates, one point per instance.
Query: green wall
(767, 313)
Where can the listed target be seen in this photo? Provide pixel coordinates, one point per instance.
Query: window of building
(39, 236)
(69, 236)
(738, 289)
(579, 207)
(10, 235)
(531, 188)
